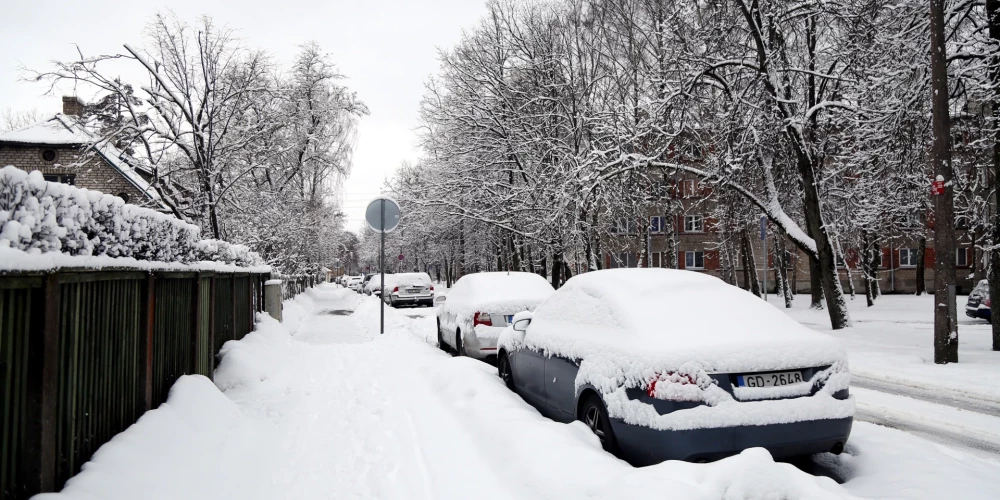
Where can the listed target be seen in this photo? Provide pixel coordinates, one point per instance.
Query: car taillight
(432, 288)
(672, 386)
(395, 289)
(482, 318)
(986, 302)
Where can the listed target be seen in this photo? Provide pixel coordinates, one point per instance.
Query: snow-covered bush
(222, 251)
(39, 216)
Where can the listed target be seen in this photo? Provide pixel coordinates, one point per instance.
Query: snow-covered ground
(322, 406)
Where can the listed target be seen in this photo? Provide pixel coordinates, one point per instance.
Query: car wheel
(595, 415)
(441, 344)
(504, 370)
(459, 347)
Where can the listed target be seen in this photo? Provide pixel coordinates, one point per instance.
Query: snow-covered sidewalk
(322, 406)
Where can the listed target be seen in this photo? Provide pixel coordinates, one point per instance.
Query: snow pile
(40, 217)
(223, 251)
(497, 293)
(631, 327)
(406, 279)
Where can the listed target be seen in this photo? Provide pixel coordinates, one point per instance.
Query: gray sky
(386, 48)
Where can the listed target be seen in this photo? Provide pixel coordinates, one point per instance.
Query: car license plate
(776, 379)
(412, 290)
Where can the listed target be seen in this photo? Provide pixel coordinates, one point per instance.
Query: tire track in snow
(936, 396)
(930, 432)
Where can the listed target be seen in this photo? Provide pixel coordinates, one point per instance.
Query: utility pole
(945, 321)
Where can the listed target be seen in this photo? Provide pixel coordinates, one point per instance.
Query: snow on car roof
(498, 292)
(667, 316)
(404, 279)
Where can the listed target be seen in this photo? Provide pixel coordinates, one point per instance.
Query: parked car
(374, 285)
(664, 364)
(408, 288)
(480, 306)
(354, 282)
(364, 282)
(979, 305)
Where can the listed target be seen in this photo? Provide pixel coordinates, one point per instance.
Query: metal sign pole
(381, 270)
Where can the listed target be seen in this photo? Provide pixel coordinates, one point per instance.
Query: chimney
(72, 106)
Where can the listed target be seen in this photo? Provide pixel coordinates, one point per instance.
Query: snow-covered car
(374, 285)
(480, 306)
(978, 305)
(408, 288)
(353, 283)
(365, 279)
(673, 365)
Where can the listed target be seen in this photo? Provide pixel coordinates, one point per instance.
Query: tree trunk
(815, 287)
(945, 323)
(557, 267)
(781, 269)
(750, 265)
(920, 273)
(993, 10)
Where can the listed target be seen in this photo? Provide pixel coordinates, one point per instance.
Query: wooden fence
(83, 353)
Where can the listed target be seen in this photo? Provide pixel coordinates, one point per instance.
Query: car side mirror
(440, 299)
(521, 325)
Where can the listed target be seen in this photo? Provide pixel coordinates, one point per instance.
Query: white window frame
(659, 227)
(689, 223)
(964, 253)
(694, 259)
(656, 259)
(909, 252)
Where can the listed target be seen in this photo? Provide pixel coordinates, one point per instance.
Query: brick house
(682, 221)
(64, 150)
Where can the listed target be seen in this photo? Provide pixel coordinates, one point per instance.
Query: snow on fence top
(44, 225)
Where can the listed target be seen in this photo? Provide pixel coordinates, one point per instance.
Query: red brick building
(681, 225)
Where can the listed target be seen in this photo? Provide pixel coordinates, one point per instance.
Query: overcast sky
(386, 48)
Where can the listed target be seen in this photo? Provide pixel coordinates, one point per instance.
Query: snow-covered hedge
(38, 216)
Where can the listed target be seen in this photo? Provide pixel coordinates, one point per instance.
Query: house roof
(57, 130)
(66, 130)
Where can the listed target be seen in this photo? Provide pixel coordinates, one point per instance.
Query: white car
(354, 282)
(374, 285)
(408, 288)
(479, 307)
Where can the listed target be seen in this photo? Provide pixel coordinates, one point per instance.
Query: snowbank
(396, 418)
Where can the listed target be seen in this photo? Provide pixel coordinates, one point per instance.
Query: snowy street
(321, 406)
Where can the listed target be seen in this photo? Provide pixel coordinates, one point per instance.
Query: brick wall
(91, 171)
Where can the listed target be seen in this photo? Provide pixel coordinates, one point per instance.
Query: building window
(907, 257)
(61, 178)
(656, 224)
(789, 260)
(655, 259)
(688, 188)
(124, 197)
(912, 219)
(49, 155)
(694, 260)
(661, 189)
(694, 224)
(962, 257)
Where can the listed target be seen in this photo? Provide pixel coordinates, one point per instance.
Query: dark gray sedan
(626, 352)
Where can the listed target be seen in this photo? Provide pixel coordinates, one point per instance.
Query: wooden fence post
(146, 346)
(40, 452)
(211, 327)
(196, 324)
